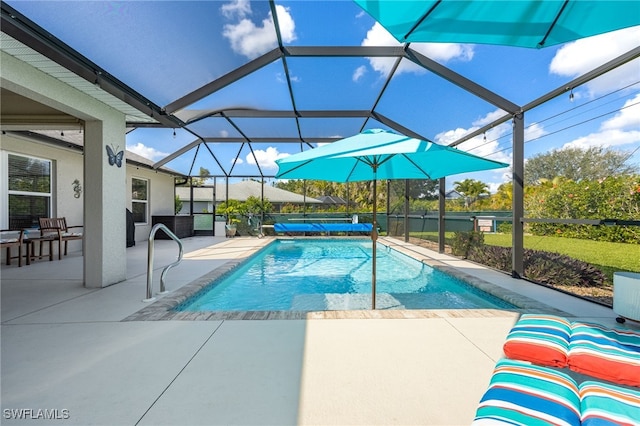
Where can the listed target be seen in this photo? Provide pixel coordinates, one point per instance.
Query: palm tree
(471, 189)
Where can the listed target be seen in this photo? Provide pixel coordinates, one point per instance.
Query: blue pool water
(308, 275)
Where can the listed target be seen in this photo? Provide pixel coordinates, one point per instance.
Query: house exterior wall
(67, 165)
(161, 197)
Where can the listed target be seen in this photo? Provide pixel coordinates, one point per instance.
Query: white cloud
(534, 131)
(359, 72)
(627, 118)
(146, 151)
(484, 145)
(266, 158)
(444, 52)
(253, 40)
(621, 129)
(493, 186)
(240, 8)
(489, 118)
(606, 138)
(237, 161)
(578, 57)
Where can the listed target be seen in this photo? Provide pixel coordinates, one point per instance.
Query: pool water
(311, 274)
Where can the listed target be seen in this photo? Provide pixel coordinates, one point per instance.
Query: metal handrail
(152, 235)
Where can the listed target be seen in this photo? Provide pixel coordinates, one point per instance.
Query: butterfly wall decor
(115, 158)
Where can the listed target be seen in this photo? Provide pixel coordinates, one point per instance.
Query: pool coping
(163, 308)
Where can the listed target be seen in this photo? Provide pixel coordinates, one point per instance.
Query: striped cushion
(604, 404)
(541, 339)
(605, 353)
(525, 394)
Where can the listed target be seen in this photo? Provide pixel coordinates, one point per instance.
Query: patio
(67, 350)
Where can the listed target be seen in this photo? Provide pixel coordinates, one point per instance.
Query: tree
(503, 198)
(577, 165)
(471, 189)
(418, 188)
(231, 209)
(255, 206)
(202, 180)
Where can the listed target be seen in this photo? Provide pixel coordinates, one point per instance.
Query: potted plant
(231, 209)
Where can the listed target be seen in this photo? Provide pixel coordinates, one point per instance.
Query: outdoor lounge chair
(605, 353)
(57, 226)
(11, 238)
(527, 394)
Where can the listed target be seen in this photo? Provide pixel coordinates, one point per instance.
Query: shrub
(505, 228)
(544, 267)
(616, 197)
(463, 242)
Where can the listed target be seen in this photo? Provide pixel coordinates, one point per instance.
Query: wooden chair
(57, 227)
(12, 238)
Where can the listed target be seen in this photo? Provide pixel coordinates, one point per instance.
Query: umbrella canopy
(379, 154)
(523, 23)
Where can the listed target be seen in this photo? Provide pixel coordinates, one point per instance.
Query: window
(139, 199)
(28, 189)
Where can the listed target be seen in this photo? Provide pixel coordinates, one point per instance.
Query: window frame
(144, 202)
(6, 192)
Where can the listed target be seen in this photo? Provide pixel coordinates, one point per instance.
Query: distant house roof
(331, 199)
(452, 195)
(242, 190)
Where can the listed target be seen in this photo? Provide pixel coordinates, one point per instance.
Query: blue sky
(165, 49)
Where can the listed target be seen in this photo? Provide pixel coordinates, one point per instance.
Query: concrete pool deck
(67, 350)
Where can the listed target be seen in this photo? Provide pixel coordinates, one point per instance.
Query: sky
(166, 49)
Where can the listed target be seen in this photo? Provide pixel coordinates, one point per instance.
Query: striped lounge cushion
(605, 353)
(541, 339)
(523, 394)
(604, 404)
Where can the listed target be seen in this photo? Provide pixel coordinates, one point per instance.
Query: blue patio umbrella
(523, 23)
(380, 154)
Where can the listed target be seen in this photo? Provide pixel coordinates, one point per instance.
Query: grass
(609, 257)
(606, 256)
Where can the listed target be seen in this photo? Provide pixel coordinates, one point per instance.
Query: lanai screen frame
(24, 30)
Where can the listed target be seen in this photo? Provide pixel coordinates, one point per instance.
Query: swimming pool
(335, 274)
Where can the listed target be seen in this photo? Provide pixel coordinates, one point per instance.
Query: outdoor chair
(523, 393)
(12, 238)
(57, 228)
(605, 353)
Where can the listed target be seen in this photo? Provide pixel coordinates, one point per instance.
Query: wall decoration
(115, 158)
(77, 188)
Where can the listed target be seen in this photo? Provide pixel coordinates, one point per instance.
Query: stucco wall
(67, 165)
(161, 196)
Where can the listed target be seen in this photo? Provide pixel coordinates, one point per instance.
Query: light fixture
(174, 133)
(61, 134)
(571, 95)
(485, 136)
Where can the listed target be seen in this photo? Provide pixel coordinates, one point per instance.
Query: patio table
(30, 243)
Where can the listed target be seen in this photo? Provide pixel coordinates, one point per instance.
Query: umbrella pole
(374, 239)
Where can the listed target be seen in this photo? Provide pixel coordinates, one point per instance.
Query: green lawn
(609, 257)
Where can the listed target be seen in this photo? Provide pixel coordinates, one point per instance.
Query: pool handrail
(150, 248)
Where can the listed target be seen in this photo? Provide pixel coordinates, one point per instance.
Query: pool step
(343, 302)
